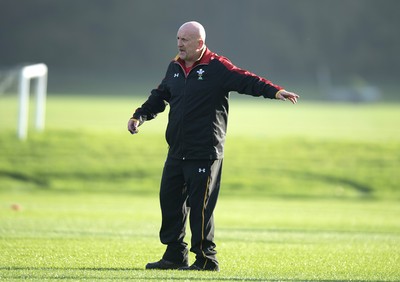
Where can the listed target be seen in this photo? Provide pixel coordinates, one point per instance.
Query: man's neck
(189, 64)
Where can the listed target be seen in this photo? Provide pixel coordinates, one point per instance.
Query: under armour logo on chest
(176, 74)
(202, 170)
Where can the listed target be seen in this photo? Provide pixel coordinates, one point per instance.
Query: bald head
(191, 41)
(195, 29)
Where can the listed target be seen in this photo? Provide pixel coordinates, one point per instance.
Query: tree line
(276, 37)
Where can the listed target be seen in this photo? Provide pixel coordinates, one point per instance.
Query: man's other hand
(286, 95)
(133, 125)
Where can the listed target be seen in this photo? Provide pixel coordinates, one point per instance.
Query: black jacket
(198, 102)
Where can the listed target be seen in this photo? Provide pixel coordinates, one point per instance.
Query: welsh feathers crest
(200, 74)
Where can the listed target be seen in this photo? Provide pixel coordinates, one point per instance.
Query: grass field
(68, 236)
(309, 192)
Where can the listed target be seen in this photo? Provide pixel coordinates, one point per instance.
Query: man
(196, 86)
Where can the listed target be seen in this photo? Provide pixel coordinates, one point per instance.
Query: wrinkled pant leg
(203, 183)
(173, 195)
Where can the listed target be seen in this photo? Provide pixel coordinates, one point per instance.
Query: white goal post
(39, 72)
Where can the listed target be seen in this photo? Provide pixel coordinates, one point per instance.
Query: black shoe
(164, 264)
(207, 267)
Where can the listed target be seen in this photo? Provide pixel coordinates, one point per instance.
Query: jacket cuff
(138, 118)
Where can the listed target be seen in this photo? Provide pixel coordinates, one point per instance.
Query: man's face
(188, 45)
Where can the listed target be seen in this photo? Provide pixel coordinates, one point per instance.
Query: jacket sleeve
(155, 104)
(245, 82)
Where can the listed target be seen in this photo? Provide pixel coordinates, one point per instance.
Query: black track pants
(189, 185)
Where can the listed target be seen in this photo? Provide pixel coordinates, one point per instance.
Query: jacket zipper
(184, 96)
(184, 99)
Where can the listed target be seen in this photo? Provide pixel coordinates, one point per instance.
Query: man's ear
(201, 44)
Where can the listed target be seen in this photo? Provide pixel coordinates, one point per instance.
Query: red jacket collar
(204, 59)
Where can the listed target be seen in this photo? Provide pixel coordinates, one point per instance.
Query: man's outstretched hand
(133, 125)
(286, 95)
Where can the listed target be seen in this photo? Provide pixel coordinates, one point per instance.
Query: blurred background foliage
(124, 46)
